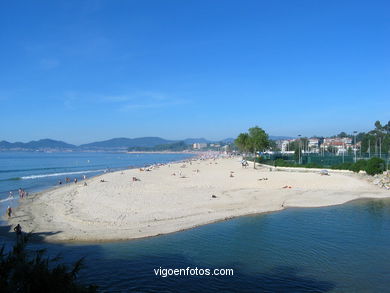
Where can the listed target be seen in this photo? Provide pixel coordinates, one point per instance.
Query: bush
(359, 166)
(313, 165)
(343, 166)
(24, 271)
(375, 166)
(283, 163)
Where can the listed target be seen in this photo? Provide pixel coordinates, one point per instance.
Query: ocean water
(34, 171)
(343, 248)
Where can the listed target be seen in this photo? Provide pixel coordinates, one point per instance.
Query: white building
(199, 145)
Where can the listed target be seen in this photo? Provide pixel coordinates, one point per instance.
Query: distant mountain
(273, 137)
(114, 144)
(37, 145)
(228, 140)
(196, 140)
(125, 143)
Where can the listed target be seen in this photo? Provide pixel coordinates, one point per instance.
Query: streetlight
(355, 143)
(369, 148)
(299, 149)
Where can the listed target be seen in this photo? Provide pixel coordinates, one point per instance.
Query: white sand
(160, 203)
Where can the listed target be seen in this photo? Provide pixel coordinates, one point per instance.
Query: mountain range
(121, 143)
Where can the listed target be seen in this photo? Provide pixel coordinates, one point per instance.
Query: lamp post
(299, 149)
(369, 148)
(355, 143)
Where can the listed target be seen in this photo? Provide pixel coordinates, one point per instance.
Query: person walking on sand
(9, 212)
(18, 231)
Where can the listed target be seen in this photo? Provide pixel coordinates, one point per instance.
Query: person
(75, 180)
(18, 231)
(9, 212)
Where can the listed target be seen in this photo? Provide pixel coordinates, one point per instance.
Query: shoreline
(161, 203)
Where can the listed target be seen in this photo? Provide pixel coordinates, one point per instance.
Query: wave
(7, 199)
(60, 174)
(42, 169)
(11, 179)
(24, 170)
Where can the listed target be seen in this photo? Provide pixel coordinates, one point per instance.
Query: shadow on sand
(8, 235)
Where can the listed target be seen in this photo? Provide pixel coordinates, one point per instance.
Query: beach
(178, 196)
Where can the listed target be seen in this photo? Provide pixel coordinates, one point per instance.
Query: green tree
(258, 141)
(342, 134)
(26, 271)
(378, 126)
(254, 141)
(242, 142)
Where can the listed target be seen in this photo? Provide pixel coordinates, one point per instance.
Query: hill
(41, 144)
(125, 143)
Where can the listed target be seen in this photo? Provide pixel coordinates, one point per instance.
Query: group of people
(244, 163)
(67, 180)
(22, 193)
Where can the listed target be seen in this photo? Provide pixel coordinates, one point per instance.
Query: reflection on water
(333, 249)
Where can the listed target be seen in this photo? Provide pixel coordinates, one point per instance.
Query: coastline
(161, 203)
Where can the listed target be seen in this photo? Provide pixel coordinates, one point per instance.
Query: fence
(326, 160)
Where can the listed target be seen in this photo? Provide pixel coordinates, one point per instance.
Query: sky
(82, 71)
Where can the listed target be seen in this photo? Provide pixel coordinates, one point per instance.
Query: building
(199, 145)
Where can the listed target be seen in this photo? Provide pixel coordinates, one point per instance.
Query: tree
(242, 142)
(342, 134)
(387, 127)
(258, 141)
(24, 271)
(378, 126)
(254, 141)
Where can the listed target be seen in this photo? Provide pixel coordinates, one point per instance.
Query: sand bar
(179, 196)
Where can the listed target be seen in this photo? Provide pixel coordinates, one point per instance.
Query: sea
(344, 248)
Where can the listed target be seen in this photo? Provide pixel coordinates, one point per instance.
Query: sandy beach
(178, 196)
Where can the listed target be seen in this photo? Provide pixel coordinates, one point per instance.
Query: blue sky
(81, 71)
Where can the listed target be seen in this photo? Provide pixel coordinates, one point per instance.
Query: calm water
(334, 249)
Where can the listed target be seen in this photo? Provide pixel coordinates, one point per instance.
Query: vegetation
(372, 166)
(173, 147)
(360, 165)
(375, 166)
(25, 271)
(376, 140)
(373, 142)
(256, 140)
